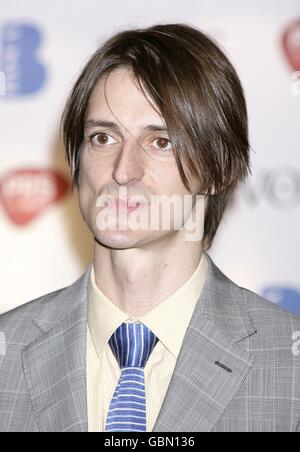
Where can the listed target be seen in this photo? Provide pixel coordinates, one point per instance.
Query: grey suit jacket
(235, 371)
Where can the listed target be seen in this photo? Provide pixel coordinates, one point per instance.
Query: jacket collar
(225, 304)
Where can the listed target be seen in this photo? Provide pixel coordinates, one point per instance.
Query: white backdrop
(44, 244)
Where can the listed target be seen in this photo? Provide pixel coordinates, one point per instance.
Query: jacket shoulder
(14, 323)
(240, 300)
(276, 329)
(51, 307)
(264, 311)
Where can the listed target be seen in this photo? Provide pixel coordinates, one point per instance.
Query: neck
(138, 279)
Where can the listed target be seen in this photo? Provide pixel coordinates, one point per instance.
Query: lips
(128, 205)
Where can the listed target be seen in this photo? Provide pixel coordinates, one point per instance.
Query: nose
(128, 167)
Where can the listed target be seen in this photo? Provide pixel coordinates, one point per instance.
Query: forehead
(118, 95)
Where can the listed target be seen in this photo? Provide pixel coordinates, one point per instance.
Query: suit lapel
(213, 361)
(55, 363)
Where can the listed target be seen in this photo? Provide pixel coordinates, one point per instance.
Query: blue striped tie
(132, 344)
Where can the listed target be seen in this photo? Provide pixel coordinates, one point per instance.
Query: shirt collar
(168, 321)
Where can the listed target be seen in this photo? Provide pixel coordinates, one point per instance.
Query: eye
(163, 144)
(101, 139)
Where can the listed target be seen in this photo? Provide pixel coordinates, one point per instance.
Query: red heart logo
(291, 44)
(26, 193)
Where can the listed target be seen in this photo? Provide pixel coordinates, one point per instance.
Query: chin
(119, 239)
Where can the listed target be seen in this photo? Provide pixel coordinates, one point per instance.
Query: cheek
(173, 185)
(91, 182)
(87, 173)
(93, 174)
(168, 181)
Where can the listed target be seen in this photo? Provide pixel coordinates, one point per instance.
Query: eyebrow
(112, 125)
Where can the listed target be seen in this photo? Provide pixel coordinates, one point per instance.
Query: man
(153, 337)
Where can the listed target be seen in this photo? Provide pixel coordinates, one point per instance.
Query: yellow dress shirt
(168, 321)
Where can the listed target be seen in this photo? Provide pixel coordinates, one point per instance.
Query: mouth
(127, 206)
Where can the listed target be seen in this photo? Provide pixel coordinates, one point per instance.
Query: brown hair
(199, 95)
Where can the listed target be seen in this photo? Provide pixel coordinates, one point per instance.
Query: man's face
(126, 158)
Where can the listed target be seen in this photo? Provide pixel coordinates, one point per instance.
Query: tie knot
(132, 344)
